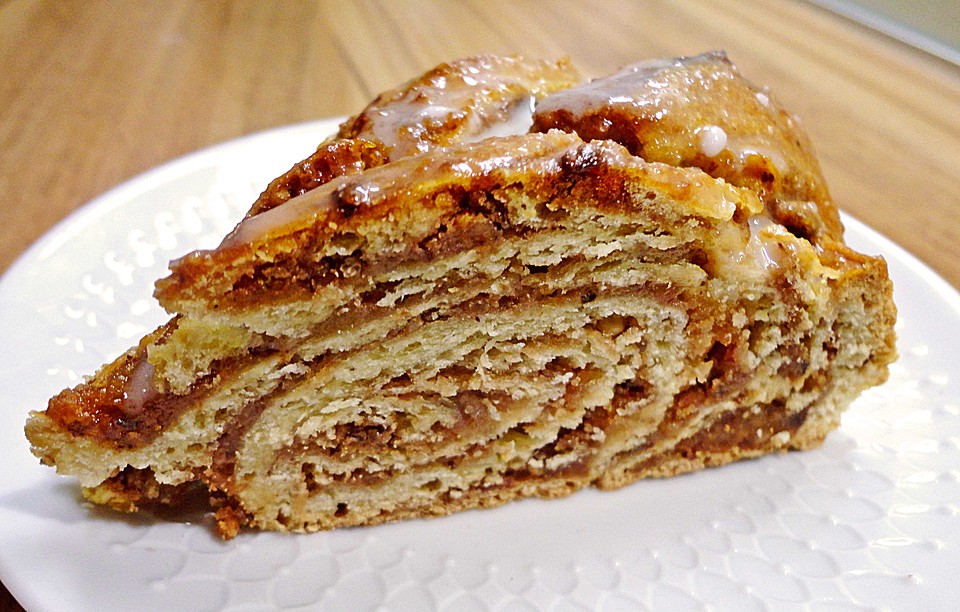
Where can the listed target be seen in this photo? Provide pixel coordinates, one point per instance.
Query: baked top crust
(459, 101)
(699, 111)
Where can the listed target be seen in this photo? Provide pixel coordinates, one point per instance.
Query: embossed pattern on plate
(871, 520)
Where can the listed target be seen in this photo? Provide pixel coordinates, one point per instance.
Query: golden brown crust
(473, 93)
(699, 111)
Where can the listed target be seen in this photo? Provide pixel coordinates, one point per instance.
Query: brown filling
(745, 429)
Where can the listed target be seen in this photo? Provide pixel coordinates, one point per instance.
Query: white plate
(871, 520)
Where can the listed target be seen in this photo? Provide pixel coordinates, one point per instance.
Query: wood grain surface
(94, 93)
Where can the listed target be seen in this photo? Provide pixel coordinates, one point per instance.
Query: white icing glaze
(403, 125)
(518, 121)
(762, 247)
(597, 94)
(712, 140)
(292, 212)
(743, 147)
(140, 388)
(645, 84)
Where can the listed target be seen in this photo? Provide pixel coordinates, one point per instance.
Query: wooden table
(94, 93)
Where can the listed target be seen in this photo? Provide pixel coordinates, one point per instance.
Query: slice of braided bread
(458, 324)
